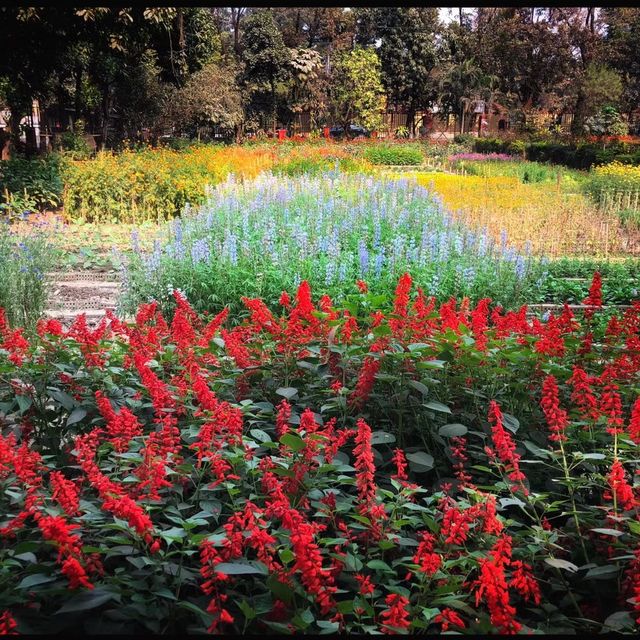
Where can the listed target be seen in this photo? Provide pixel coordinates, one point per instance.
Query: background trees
(128, 70)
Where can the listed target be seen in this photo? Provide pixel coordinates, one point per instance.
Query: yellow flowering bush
(151, 185)
(615, 186)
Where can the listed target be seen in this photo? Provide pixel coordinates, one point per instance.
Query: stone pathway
(74, 292)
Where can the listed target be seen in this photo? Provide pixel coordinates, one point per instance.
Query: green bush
(31, 184)
(576, 156)
(397, 154)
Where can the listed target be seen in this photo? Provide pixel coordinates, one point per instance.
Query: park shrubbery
(411, 468)
(394, 154)
(575, 156)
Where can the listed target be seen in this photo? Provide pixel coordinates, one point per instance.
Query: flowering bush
(153, 184)
(259, 237)
(615, 186)
(323, 469)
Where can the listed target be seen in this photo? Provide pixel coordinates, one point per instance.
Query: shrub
(615, 186)
(153, 184)
(28, 185)
(24, 260)
(326, 469)
(258, 238)
(395, 154)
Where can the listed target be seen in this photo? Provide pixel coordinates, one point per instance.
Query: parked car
(353, 131)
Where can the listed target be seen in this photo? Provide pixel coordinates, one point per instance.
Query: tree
(621, 46)
(308, 86)
(210, 99)
(528, 49)
(357, 91)
(607, 122)
(265, 57)
(408, 56)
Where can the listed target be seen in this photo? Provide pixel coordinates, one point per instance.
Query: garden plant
(416, 468)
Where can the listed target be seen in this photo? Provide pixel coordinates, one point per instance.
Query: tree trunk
(17, 112)
(579, 114)
(78, 95)
(273, 103)
(411, 124)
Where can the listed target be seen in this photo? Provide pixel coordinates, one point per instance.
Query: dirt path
(74, 292)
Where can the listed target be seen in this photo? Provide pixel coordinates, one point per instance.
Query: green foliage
(576, 156)
(389, 476)
(568, 280)
(210, 99)
(394, 154)
(24, 261)
(607, 122)
(29, 185)
(357, 91)
(73, 143)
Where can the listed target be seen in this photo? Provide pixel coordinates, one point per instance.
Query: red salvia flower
(365, 467)
(448, 618)
(76, 574)
(8, 625)
(595, 294)
(556, 417)
(634, 422)
(366, 586)
(64, 492)
(362, 286)
(504, 445)
(619, 486)
(396, 616)
(523, 581)
(401, 465)
(611, 406)
(492, 587)
(582, 394)
(425, 557)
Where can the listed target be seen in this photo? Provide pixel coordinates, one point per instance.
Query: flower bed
(256, 238)
(323, 469)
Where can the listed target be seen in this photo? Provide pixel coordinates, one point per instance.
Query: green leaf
(87, 600)
(382, 437)
(34, 579)
(602, 573)
(241, 568)
(422, 388)
(260, 435)
(558, 563)
(609, 532)
(293, 441)
(452, 430)
(510, 422)
(248, 611)
(62, 398)
(287, 392)
(378, 565)
(420, 460)
(619, 620)
(76, 415)
(437, 406)
(24, 402)
(280, 590)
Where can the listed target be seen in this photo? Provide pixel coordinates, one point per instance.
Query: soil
(74, 292)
